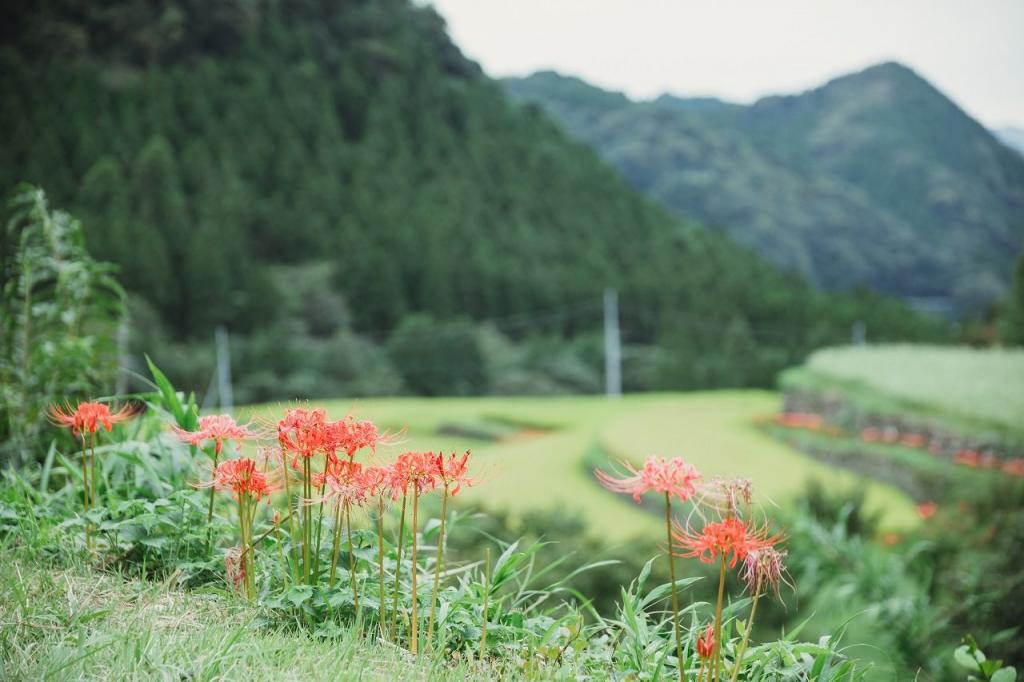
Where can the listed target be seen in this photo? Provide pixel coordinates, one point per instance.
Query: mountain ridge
(842, 183)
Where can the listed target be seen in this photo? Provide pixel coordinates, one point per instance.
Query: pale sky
(739, 50)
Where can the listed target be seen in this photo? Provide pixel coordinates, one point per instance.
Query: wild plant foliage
(59, 314)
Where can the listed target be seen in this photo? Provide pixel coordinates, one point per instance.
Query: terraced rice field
(537, 453)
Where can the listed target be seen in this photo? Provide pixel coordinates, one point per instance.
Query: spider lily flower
(88, 417)
(764, 569)
(242, 479)
(375, 481)
(706, 643)
(728, 494)
(302, 432)
(731, 538)
(674, 477)
(343, 482)
(350, 435)
(451, 472)
(218, 428)
(416, 469)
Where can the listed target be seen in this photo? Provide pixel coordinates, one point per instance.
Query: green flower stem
(291, 519)
(209, 511)
(672, 577)
(380, 560)
(398, 571)
(746, 634)
(487, 594)
(415, 569)
(334, 545)
(307, 519)
(717, 655)
(85, 493)
(437, 568)
(351, 556)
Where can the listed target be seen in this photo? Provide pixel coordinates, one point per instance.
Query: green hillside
(842, 184)
(354, 147)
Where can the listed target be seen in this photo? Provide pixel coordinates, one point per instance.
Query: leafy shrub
(439, 357)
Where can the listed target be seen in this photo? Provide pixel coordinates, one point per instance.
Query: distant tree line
(353, 147)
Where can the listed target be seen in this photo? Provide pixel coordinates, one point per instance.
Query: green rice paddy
(537, 453)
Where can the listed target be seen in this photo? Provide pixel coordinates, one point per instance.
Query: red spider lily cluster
(314, 463)
(725, 534)
(891, 435)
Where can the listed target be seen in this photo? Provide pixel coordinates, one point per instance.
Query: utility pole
(124, 360)
(859, 333)
(224, 393)
(612, 345)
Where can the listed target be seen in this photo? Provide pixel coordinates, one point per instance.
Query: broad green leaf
(963, 656)
(1008, 674)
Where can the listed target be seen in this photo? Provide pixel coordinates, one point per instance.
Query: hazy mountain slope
(1011, 137)
(875, 178)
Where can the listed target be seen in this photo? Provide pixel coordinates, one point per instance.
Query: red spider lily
(732, 538)
(342, 491)
(801, 420)
(303, 432)
(375, 480)
(871, 435)
(912, 440)
(764, 568)
(706, 643)
(672, 476)
(926, 510)
(453, 470)
(969, 458)
(891, 539)
(338, 470)
(728, 493)
(418, 469)
(350, 436)
(343, 481)
(218, 428)
(1014, 467)
(241, 477)
(88, 417)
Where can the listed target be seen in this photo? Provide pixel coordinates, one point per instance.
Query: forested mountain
(874, 179)
(354, 148)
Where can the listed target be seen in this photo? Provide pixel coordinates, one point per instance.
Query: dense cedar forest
(845, 183)
(333, 181)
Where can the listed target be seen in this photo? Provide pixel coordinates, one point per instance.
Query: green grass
(717, 431)
(77, 623)
(963, 388)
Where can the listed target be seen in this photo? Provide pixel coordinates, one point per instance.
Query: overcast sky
(973, 50)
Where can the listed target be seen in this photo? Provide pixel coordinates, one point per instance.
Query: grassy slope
(716, 431)
(70, 624)
(968, 389)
